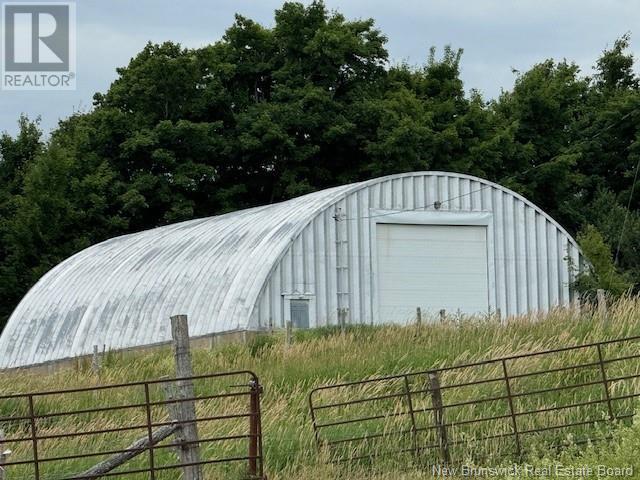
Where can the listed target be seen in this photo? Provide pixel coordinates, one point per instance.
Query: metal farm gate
(490, 409)
(172, 426)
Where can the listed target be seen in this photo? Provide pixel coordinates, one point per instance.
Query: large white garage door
(431, 267)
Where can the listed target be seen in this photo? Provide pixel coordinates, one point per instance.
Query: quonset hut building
(369, 252)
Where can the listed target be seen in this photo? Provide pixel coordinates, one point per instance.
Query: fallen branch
(136, 448)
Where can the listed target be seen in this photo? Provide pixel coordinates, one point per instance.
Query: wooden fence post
(96, 363)
(3, 455)
(186, 410)
(171, 393)
(602, 303)
(342, 320)
(289, 333)
(576, 304)
(418, 316)
(438, 413)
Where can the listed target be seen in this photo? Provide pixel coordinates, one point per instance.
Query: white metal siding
(427, 266)
(233, 271)
(527, 268)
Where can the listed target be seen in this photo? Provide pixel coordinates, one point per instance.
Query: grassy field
(324, 356)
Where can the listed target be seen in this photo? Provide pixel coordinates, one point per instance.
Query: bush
(601, 272)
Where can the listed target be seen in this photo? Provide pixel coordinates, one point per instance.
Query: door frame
(287, 297)
(429, 217)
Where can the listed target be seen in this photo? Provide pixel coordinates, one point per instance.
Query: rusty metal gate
(63, 434)
(481, 410)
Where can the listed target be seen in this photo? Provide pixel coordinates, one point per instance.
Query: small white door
(433, 267)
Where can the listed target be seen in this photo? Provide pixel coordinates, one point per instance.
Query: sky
(497, 36)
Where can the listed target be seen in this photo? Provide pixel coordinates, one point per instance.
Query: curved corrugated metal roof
(121, 292)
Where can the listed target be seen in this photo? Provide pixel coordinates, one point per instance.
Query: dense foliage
(266, 114)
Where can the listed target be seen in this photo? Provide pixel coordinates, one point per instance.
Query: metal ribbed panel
(529, 271)
(236, 271)
(121, 292)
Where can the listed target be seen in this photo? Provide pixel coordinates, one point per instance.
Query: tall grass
(325, 356)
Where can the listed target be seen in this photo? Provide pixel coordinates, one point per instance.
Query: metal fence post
(312, 411)
(414, 429)
(605, 382)
(147, 402)
(514, 423)
(255, 430)
(190, 450)
(34, 437)
(438, 412)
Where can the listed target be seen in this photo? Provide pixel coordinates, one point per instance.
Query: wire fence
(478, 411)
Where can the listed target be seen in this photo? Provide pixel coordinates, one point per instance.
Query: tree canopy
(266, 114)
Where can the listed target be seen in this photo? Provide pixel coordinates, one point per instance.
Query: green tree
(64, 206)
(17, 156)
(541, 110)
(619, 227)
(268, 113)
(615, 67)
(601, 271)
